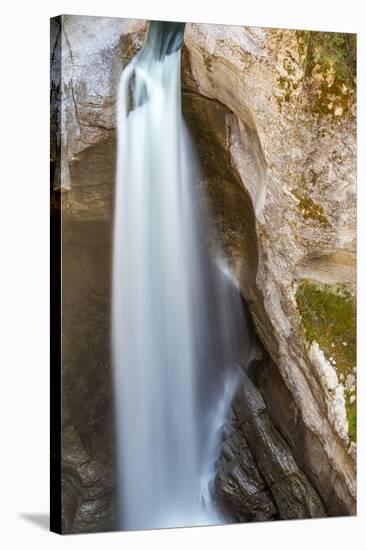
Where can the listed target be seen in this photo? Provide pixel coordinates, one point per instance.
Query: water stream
(177, 319)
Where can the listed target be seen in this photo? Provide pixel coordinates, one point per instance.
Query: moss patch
(328, 316)
(329, 61)
(287, 86)
(351, 407)
(310, 209)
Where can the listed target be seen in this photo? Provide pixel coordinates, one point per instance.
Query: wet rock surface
(88, 482)
(241, 491)
(257, 461)
(88, 475)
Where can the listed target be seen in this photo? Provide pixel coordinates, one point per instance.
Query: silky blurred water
(177, 321)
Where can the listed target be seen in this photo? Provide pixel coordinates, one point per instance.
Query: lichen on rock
(329, 61)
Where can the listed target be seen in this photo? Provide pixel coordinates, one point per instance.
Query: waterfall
(177, 319)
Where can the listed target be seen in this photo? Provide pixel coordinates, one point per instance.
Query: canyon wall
(272, 117)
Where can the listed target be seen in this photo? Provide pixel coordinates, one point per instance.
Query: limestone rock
(301, 181)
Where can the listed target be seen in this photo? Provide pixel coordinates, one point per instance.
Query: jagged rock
(308, 451)
(88, 488)
(273, 466)
(241, 491)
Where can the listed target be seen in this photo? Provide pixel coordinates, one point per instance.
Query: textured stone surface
(294, 153)
(209, 122)
(241, 491)
(88, 476)
(280, 180)
(87, 484)
(276, 470)
(306, 448)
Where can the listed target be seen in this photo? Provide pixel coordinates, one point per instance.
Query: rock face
(88, 476)
(297, 164)
(274, 129)
(258, 477)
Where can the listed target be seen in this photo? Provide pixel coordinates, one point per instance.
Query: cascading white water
(177, 320)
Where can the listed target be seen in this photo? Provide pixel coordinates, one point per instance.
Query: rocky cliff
(272, 116)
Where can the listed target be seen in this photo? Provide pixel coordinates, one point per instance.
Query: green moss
(329, 61)
(288, 65)
(351, 416)
(310, 209)
(287, 87)
(302, 43)
(326, 49)
(328, 316)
